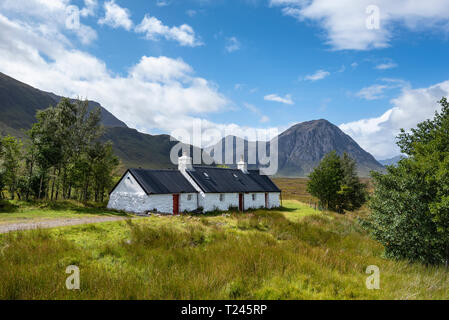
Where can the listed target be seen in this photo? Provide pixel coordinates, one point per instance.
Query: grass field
(292, 253)
(22, 212)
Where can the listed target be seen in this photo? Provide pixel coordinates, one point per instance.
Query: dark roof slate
(221, 180)
(162, 181)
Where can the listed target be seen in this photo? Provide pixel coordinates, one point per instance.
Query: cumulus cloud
(157, 93)
(116, 16)
(154, 92)
(154, 29)
(318, 75)
(57, 18)
(345, 21)
(377, 135)
(274, 97)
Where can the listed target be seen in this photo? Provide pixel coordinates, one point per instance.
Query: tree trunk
(57, 183)
(53, 184)
(40, 186)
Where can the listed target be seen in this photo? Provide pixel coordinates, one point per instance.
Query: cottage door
(176, 204)
(266, 200)
(240, 201)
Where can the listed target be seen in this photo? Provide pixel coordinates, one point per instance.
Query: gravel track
(55, 223)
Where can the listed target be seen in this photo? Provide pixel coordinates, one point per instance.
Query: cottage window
(254, 197)
(189, 197)
(222, 196)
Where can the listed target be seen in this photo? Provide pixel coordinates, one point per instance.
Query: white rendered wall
(186, 205)
(259, 202)
(211, 201)
(274, 200)
(130, 197)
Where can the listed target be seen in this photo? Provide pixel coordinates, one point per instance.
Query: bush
(410, 205)
(335, 183)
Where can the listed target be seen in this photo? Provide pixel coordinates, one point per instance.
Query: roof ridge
(154, 170)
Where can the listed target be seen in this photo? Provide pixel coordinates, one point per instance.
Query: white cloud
(375, 92)
(377, 135)
(386, 66)
(232, 44)
(57, 18)
(256, 111)
(274, 97)
(154, 28)
(155, 91)
(158, 93)
(345, 21)
(116, 16)
(318, 75)
(90, 6)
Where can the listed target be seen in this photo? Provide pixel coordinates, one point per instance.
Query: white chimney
(185, 162)
(242, 165)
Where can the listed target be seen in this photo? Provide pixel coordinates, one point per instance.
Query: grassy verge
(17, 211)
(293, 253)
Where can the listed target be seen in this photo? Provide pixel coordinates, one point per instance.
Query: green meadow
(291, 253)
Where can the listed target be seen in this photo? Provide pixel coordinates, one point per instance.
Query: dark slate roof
(162, 181)
(221, 180)
(264, 181)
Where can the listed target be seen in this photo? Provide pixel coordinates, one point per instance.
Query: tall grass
(262, 255)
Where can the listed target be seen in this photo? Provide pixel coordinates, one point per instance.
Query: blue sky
(237, 64)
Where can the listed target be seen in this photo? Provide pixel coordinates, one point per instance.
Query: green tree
(335, 183)
(352, 191)
(11, 154)
(410, 205)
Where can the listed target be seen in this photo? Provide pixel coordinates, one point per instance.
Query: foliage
(410, 205)
(64, 157)
(11, 156)
(335, 183)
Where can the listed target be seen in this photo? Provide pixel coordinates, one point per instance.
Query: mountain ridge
(301, 147)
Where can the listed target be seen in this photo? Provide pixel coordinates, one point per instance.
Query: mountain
(19, 103)
(391, 161)
(301, 148)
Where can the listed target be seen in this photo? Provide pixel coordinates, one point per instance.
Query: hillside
(19, 103)
(302, 147)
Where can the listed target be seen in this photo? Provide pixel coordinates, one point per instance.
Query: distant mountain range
(391, 161)
(300, 148)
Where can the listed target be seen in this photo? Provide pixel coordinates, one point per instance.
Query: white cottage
(192, 188)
